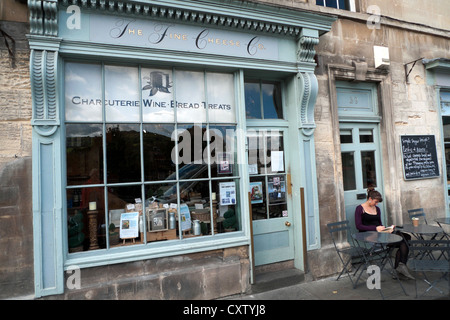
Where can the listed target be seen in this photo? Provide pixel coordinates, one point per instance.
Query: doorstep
(277, 279)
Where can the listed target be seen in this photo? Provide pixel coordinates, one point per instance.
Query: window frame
(351, 5)
(157, 249)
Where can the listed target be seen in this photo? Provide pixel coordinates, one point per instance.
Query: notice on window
(185, 216)
(129, 226)
(227, 193)
(277, 164)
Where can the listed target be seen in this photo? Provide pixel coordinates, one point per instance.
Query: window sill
(154, 250)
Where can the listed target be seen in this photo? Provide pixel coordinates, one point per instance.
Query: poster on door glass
(121, 94)
(276, 189)
(157, 95)
(83, 92)
(256, 192)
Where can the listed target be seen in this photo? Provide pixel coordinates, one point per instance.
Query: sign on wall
(419, 157)
(150, 33)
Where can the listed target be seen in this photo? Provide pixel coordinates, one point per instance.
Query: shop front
(173, 142)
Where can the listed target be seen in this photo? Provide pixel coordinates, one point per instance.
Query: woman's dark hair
(374, 194)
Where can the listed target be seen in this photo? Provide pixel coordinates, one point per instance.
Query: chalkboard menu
(419, 157)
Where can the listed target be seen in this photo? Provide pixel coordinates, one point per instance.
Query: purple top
(365, 221)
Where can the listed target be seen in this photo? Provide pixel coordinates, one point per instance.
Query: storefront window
(150, 155)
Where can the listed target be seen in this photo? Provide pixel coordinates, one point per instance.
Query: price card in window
(227, 193)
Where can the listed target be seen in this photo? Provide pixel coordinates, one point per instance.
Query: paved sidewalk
(330, 289)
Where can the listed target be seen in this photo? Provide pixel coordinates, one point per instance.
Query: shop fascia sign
(170, 36)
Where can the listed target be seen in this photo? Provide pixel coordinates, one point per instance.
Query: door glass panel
(365, 136)
(346, 136)
(368, 169)
(348, 171)
(267, 174)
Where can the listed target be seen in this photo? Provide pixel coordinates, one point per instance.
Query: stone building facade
(334, 80)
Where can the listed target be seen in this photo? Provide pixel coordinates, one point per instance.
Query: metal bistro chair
(346, 254)
(423, 251)
(417, 213)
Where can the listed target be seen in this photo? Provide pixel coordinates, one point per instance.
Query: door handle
(287, 224)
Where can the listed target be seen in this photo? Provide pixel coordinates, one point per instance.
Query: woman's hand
(383, 229)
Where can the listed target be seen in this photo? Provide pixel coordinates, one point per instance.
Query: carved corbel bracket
(44, 91)
(307, 41)
(309, 88)
(43, 17)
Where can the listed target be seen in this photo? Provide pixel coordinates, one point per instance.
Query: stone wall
(16, 219)
(207, 275)
(407, 106)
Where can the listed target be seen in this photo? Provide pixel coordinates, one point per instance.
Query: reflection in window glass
(252, 100)
(348, 171)
(157, 95)
(158, 156)
(84, 154)
(121, 94)
(221, 108)
(222, 150)
(263, 100)
(365, 136)
(368, 169)
(346, 136)
(123, 153)
(158, 147)
(121, 200)
(190, 96)
(271, 94)
(83, 92)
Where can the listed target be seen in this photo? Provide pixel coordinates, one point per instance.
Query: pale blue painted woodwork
(294, 29)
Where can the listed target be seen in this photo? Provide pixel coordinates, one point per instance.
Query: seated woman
(368, 218)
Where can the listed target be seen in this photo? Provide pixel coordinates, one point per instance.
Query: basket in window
(202, 214)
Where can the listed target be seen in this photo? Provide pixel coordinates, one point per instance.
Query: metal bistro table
(381, 244)
(422, 230)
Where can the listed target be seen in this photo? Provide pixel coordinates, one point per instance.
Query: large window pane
(253, 100)
(83, 92)
(157, 95)
(221, 98)
(190, 96)
(192, 165)
(121, 94)
(123, 153)
(84, 154)
(222, 151)
(86, 219)
(122, 200)
(271, 94)
(158, 147)
(263, 100)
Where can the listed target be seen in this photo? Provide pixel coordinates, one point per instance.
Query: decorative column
(46, 148)
(308, 89)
